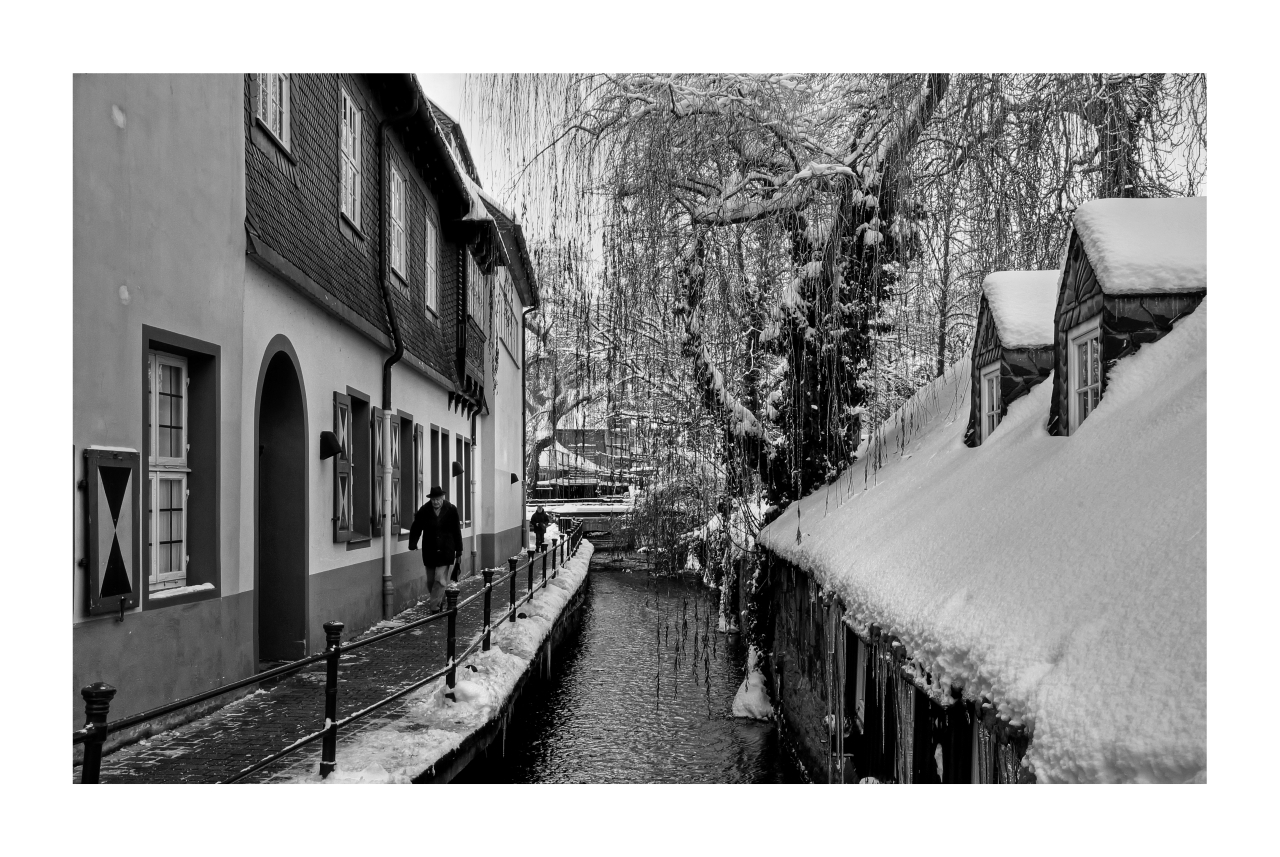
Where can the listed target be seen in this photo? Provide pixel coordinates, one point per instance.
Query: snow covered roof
(1139, 246)
(576, 461)
(1064, 576)
(1022, 304)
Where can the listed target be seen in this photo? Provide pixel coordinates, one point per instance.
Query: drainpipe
(388, 538)
(524, 433)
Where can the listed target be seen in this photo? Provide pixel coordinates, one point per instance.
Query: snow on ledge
(179, 590)
(1065, 576)
(396, 751)
(1022, 304)
(1141, 246)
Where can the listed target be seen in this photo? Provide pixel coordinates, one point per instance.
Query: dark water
(643, 695)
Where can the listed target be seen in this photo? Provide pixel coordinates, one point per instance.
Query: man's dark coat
(441, 534)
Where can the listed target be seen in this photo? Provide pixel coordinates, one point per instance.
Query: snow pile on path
(752, 700)
(437, 720)
(1146, 245)
(1022, 304)
(1063, 575)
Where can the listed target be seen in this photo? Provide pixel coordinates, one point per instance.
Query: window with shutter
(350, 157)
(343, 487)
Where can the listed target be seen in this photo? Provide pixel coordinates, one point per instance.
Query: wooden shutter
(395, 453)
(343, 490)
(375, 469)
(113, 522)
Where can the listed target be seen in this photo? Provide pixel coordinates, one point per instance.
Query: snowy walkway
(215, 747)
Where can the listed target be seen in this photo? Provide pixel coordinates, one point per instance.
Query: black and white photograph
(656, 428)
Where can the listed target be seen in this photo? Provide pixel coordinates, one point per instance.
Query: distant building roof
(1022, 304)
(1140, 246)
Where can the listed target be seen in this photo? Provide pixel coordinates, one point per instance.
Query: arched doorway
(282, 513)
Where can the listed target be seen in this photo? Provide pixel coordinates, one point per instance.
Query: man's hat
(436, 491)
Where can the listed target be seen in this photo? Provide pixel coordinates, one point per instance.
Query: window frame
(1089, 331)
(350, 160)
(262, 90)
(397, 223)
(476, 282)
(990, 403)
(431, 285)
(166, 469)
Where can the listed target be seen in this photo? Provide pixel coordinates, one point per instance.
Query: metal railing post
(544, 568)
(488, 596)
(532, 553)
(512, 562)
(97, 702)
(451, 596)
(333, 647)
(555, 555)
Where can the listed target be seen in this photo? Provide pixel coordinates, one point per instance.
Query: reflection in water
(643, 695)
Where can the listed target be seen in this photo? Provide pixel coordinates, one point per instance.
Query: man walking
(539, 522)
(441, 531)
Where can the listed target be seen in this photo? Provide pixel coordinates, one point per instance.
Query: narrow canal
(643, 695)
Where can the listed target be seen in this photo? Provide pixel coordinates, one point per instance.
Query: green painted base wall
(157, 656)
(496, 547)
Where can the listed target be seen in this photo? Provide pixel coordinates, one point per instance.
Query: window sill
(275, 141)
(359, 542)
(181, 595)
(348, 225)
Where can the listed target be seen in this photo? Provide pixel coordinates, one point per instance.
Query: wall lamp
(329, 446)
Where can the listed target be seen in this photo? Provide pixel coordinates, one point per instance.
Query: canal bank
(642, 693)
(438, 730)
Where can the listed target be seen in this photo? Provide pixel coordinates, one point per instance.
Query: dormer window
(1084, 371)
(990, 412)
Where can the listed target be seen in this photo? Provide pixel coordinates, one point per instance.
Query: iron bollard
(451, 597)
(488, 594)
(532, 553)
(555, 556)
(329, 748)
(97, 702)
(512, 562)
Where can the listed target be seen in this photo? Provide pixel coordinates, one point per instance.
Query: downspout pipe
(388, 538)
(524, 431)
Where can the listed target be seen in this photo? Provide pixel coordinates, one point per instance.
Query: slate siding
(291, 201)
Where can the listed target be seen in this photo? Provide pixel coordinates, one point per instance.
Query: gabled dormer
(1012, 346)
(1133, 268)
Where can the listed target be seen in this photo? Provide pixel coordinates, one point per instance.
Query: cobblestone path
(216, 746)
